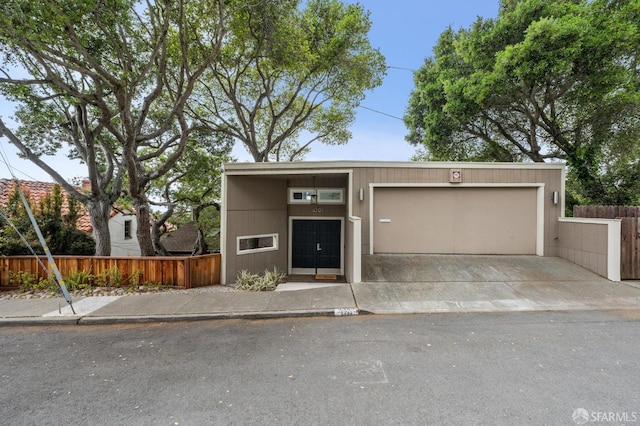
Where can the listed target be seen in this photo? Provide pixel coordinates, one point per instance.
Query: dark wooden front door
(316, 245)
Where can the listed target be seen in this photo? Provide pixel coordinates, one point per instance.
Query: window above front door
(316, 196)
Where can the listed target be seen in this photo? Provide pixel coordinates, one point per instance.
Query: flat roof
(348, 164)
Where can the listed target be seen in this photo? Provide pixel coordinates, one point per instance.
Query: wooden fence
(180, 272)
(629, 244)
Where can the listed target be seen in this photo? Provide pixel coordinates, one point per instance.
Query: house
(122, 229)
(122, 223)
(181, 241)
(322, 217)
(36, 192)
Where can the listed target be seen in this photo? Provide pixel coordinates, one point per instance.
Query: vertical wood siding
(551, 178)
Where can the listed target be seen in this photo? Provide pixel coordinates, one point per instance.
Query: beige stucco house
(322, 217)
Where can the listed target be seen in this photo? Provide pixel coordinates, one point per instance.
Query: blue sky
(405, 31)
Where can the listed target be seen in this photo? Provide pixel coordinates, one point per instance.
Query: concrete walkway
(489, 284)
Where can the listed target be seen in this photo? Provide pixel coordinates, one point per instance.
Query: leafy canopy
(290, 75)
(544, 81)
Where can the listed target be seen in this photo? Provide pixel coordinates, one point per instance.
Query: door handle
(318, 247)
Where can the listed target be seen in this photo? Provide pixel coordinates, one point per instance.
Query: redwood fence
(629, 245)
(180, 272)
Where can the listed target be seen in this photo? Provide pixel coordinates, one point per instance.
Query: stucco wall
(121, 246)
(593, 244)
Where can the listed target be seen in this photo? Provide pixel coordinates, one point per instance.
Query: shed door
(459, 220)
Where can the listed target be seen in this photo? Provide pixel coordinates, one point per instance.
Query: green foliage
(113, 277)
(291, 73)
(44, 284)
(111, 80)
(544, 81)
(58, 228)
(21, 279)
(82, 281)
(27, 281)
(191, 188)
(79, 280)
(254, 282)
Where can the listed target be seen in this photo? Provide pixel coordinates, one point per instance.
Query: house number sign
(455, 176)
(318, 210)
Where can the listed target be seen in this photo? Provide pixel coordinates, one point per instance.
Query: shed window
(257, 243)
(127, 229)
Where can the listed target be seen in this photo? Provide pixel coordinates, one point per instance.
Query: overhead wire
(56, 272)
(22, 238)
(382, 112)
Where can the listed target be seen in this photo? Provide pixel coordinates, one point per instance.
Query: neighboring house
(122, 228)
(321, 217)
(122, 224)
(181, 241)
(36, 192)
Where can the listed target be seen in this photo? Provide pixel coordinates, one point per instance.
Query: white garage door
(460, 220)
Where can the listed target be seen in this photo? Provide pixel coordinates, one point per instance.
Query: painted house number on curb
(345, 311)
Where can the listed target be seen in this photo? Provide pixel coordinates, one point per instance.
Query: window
(301, 195)
(127, 229)
(330, 196)
(257, 243)
(313, 196)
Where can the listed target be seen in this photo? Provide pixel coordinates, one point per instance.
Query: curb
(215, 316)
(39, 321)
(138, 319)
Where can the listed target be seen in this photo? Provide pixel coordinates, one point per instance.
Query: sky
(405, 31)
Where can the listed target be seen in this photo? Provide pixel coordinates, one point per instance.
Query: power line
(56, 272)
(401, 68)
(12, 169)
(384, 113)
(380, 112)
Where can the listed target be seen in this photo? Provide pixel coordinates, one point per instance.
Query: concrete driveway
(470, 268)
(472, 283)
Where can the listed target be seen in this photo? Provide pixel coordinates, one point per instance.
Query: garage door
(459, 220)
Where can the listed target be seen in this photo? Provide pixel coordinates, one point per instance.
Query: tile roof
(36, 192)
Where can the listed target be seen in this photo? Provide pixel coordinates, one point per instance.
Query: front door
(316, 246)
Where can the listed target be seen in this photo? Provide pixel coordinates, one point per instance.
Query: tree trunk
(99, 215)
(143, 233)
(155, 231)
(200, 246)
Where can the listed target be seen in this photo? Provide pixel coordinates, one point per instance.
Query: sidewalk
(312, 301)
(303, 299)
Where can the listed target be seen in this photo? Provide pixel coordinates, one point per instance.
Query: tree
(104, 170)
(127, 68)
(15, 213)
(57, 223)
(544, 81)
(289, 76)
(191, 188)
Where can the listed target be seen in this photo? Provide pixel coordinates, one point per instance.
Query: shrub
(22, 279)
(79, 280)
(27, 282)
(254, 282)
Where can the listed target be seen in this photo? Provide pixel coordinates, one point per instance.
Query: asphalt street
(490, 368)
